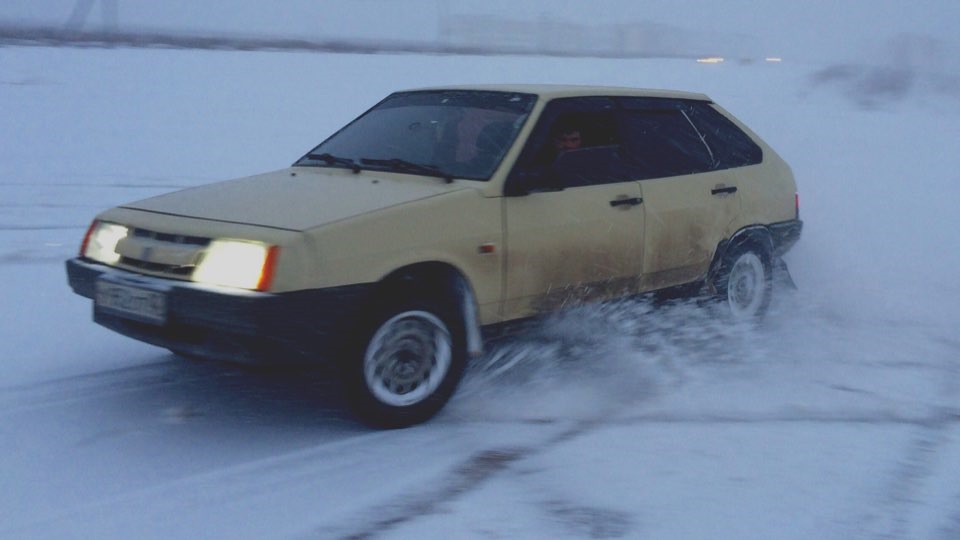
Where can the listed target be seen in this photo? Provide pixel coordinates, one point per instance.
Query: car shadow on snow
(188, 392)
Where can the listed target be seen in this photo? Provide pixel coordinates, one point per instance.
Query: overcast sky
(801, 29)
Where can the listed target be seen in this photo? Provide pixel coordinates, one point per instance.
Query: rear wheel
(745, 285)
(409, 363)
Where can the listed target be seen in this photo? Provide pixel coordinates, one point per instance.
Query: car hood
(294, 199)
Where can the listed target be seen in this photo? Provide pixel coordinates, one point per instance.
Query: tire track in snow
(173, 373)
(254, 482)
(919, 498)
(468, 476)
(89, 387)
(484, 465)
(951, 529)
(902, 493)
(925, 462)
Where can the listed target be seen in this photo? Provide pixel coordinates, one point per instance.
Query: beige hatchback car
(438, 218)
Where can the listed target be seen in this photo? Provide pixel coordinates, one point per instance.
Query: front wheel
(409, 365)
(745, 286)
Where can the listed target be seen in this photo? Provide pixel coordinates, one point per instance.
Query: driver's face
(567, 141)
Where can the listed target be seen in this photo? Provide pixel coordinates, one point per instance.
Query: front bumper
(242, 326)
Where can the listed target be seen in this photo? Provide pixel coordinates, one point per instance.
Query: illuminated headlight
(101, 242)
(237, 263)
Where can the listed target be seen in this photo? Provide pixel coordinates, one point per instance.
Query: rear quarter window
(730, 146)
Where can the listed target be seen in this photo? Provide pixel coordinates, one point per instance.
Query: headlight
(237, 263)
(101, 241)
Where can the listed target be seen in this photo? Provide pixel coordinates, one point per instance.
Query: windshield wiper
(402, 165)
(331, 159)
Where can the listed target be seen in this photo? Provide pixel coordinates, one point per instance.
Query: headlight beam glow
(237, 263)
(101, 242)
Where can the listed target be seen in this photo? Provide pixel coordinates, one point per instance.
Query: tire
(408, 364)
(745, 285)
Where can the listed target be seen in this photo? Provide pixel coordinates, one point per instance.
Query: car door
(574, 222)
(689, 204)
(688, 216)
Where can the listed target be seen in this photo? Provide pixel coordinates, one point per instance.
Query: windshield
(444, 133)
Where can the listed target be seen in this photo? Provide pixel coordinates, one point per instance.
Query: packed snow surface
(836, 419)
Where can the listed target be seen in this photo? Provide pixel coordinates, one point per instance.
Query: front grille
(159, 253)
(170, 238)
(158, 268)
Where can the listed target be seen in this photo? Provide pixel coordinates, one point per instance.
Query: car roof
(550, 91)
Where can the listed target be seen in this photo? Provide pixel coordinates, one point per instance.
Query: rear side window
(662, 142)
(731, 147)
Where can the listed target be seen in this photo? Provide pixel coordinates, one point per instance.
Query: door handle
(633, 201)
(719, 190)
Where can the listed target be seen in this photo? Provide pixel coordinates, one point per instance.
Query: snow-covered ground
(838, 419)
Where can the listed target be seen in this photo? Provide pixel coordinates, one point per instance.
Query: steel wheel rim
(746, 286)
(407, 358)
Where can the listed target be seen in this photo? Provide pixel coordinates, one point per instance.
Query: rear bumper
(785, 234)
(243, 326)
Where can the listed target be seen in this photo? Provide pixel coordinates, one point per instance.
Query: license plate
(132, 302)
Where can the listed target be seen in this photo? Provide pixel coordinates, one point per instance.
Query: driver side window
(575, 143)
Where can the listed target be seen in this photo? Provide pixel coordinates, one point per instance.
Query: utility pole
(443, 20)
(109, 14)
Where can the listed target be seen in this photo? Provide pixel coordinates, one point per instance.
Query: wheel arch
(442, 282)
(753, 235)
